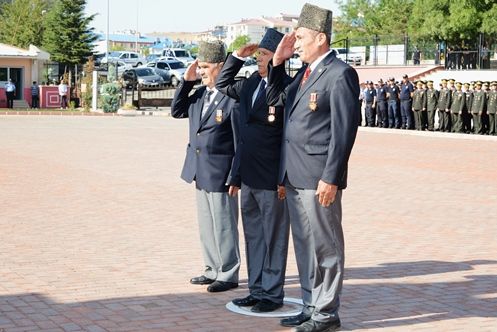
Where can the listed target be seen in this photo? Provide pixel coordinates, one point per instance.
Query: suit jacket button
(198, 134)
(198, 150)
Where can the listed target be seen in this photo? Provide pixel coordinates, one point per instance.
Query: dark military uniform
(491, 111)
(457, 109)
(419, 106)
(444, 101)
(431, 105)
(370, 100)
(381, 105)
(478, 109)
(467, 108)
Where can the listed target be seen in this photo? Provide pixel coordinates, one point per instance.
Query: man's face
(307, 44)
(263, 58)
(208, 72)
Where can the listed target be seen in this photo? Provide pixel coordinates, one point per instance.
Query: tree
(20, 22)
(239, 42)
(68, 36)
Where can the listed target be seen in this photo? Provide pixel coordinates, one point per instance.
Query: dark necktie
(262, 90)
(207, 102)
(307, 73)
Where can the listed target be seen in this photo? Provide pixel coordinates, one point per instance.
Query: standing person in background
(406, 91)
(321, 121)
(10, 91)
(393, 92)
(419, 105)
(257, 163)
(431, 105)
(63, 89)
(370, 99)
(209, 158)
(35, 95)
(381, 104)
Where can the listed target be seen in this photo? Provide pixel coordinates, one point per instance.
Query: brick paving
(98, 233)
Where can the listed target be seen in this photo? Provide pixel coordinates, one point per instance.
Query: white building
(255, 28)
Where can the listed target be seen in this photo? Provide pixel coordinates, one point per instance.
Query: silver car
(171, 71)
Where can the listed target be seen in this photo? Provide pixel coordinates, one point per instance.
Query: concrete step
(21, 104)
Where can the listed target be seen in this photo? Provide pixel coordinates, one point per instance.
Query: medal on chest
(313, 101)
(271, 114)
(219, 116)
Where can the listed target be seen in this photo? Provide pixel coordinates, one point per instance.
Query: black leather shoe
(266, 306)
(315, 326)
(246, 301)
(202, 280)
(295, 320)
(221, 286)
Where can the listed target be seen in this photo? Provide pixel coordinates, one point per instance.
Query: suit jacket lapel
(219, 97)
(315, 75)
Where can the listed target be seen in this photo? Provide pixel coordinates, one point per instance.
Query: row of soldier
(460, 108)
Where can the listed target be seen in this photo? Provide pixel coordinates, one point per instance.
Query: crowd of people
(454, 107)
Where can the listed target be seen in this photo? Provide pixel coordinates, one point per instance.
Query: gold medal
(219, 116)
(313, 101)
(272, 114)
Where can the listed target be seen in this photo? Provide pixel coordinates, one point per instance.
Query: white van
(179, 54)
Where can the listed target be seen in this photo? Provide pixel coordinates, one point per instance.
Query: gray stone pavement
(98, 233)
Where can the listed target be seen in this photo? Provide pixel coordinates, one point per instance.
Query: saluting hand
(285, 49)
(247, 50)
(326, 193)
(191, 71)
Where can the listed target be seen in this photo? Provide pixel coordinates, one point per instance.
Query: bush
(110, 93)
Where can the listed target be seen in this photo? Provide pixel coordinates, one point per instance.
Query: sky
(188, 15)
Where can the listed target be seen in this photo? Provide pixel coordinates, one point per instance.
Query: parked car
(171, 71)
(179, 54)
(348, 57)
(145, 76)
(152, 57)
(248, 68)
(131, 58)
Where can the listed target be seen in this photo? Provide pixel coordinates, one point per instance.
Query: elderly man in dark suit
(266, 228)
(209, 158)
(321, 120)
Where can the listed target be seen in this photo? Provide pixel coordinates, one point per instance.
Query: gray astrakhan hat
(315, 18)
(211, 52)
(271, 40)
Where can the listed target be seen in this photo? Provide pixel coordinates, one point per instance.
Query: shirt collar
(316, 62)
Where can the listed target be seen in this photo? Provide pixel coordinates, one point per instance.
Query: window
(3, 75)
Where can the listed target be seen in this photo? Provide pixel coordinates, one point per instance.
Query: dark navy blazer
(210, 151)
(317, 144)
(257, 159)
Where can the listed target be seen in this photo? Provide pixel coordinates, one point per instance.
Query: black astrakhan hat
(271, 40)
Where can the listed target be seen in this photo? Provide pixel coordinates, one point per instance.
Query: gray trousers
(218, 226)
(319, 249)
(266, 229)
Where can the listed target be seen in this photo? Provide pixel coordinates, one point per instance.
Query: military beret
(466, 84)
(485, 84)
(391, 79)
(315, 18)
(444, 80)
(405, 76)
(458, 83)
(271, 40)
(429, 82)
(380, 80)
(211, 52)
(452, 80)
(493, 83)
(478, 83)
(419, 83)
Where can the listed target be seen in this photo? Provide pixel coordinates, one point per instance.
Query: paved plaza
(99, 233)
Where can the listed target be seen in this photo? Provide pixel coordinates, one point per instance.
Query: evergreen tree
(21, 22)
(68, 36)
